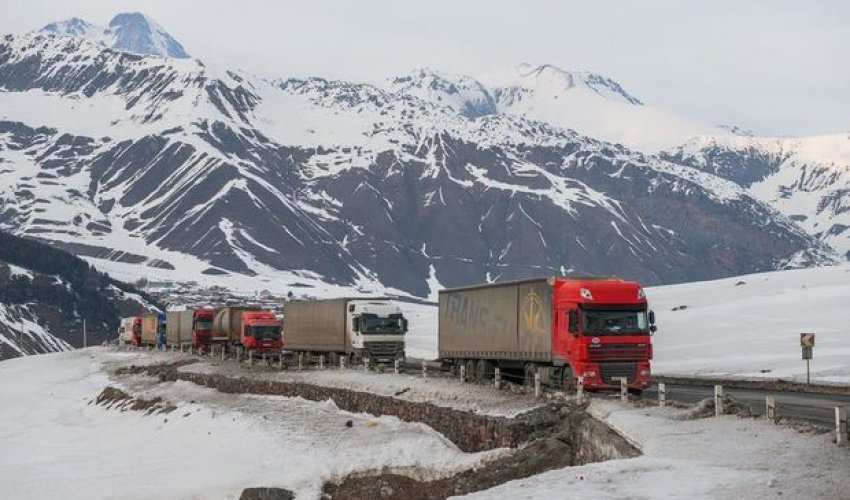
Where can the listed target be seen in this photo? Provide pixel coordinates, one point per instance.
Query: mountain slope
(181, 170)
(45, 294)
(807, 179)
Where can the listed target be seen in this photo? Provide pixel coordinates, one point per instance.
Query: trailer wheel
(482, 367)
(471, 374)
(530, 371)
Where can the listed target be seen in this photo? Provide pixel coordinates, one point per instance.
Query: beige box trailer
(178, 327)
(150, 325)
(316, 325)
(498, 321)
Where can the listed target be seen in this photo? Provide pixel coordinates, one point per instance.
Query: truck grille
(618, 352)
(384, 349)
(610, 371)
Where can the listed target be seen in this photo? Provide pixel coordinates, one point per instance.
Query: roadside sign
(807, 342)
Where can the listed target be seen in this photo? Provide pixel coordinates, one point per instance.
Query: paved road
(815, 408)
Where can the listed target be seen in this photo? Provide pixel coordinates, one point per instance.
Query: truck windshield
(203, 324)
(614, 321)
(264, 332)
(374, 324)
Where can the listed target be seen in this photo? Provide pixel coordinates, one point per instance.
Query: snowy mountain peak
(138, 33)
(554, 80)
(73, 27)
(462, 94)
(131, 32)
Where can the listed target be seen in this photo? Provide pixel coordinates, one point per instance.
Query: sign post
(807, 342)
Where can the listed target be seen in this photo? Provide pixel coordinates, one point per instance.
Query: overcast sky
(774, 66)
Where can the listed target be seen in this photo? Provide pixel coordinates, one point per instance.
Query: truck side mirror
(573, 322)
(404, 325)
(651, 317)
(652, 329)
(355, 324)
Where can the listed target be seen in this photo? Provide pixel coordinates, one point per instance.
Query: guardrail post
(300, 361)
(770, 409)
(841, 428)
(322, 362)
(250, 357)
(624, 389)
(342, 362)
(212, 351)
(718, 400)
(238, 354)
(280, 360)
(536, 385)
(662, 394)
(497, 377)
(463, 373)
(223, 353)
(396, 366)
(366, 364)
(424, 370)
(580, 390)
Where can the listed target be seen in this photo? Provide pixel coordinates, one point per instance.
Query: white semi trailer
(347, 327)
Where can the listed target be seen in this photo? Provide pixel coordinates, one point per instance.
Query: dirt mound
(731, 406)
(266, 494)
(540, 456)
(113, 398)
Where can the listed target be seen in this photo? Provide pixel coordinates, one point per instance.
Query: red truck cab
(601, 331)
(261, 331)
(137, 330)
(202, 327)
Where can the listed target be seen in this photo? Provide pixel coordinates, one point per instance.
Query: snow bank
(695, 459)
(57, 445)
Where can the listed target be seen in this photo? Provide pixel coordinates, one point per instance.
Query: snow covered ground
(483, 400)
(709, 458)
(57, 445)
(750, 326)
(747, 326)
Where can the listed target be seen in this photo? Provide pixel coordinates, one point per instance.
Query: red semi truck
(560, 328)
(130, 330)
(252, 328)
(190, 326)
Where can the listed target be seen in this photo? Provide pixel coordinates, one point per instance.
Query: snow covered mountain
(169, 168)
(131, 32)
(46, 295)
(807, 179)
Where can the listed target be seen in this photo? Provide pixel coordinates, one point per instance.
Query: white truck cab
(376, 328)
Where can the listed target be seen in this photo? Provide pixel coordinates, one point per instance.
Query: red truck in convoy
(189, 326)
(130, 330)
(560, 328)
(254, 329)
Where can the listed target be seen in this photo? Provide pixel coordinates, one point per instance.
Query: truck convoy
(559, 328)
(251, 328)
(350, 328)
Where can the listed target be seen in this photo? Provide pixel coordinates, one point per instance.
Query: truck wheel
(568, 382)
(470, 370)
(481, 369)
(530, 370)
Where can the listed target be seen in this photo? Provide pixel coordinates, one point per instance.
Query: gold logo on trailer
(532, 311)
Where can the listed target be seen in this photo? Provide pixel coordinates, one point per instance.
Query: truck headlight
(589, 374)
